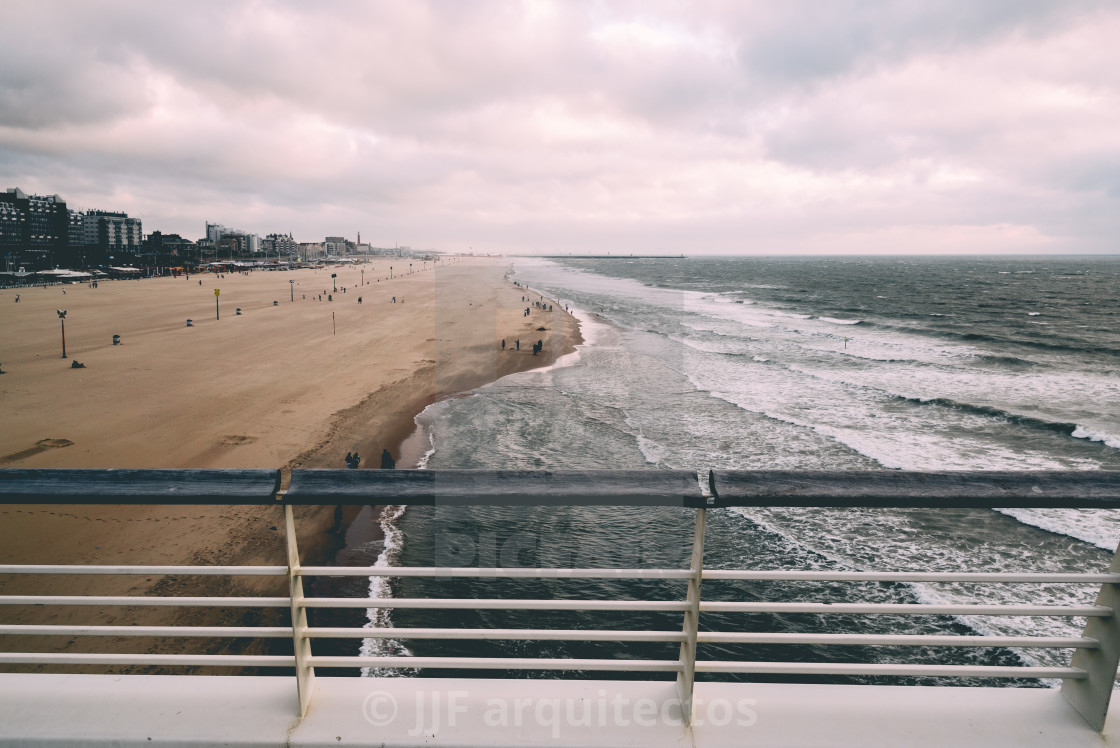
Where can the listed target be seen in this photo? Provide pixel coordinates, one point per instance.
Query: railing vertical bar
(687, 674)
(1090, 696)
(301, 642)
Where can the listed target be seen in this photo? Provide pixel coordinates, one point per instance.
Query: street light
(292, 287)
(62, 319)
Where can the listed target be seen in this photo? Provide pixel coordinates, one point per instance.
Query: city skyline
(540, 127)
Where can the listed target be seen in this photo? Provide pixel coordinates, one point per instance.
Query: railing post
(1090, 696)
(301, 643)
(687, 674)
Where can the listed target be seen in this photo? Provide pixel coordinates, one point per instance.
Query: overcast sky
(717, 127)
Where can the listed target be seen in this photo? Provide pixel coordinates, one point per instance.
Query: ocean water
(795, 363)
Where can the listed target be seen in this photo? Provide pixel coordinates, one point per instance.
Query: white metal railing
(1088, 679)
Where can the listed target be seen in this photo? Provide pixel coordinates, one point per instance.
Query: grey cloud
(807, 42)
(40, 86)
(451, 119)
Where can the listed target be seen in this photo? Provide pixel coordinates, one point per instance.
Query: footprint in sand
(237, 440)
(40, 446)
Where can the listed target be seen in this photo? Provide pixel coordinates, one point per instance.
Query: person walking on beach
(349, 460)
(519, 344)
(503, 344)
(387, 461)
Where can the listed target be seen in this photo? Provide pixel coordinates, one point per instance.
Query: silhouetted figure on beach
(503, 344)
(387, 461)
(519, 344)
(349, 460)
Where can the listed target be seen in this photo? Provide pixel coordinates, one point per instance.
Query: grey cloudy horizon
(532, 126)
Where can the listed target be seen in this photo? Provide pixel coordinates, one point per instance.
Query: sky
(737, 127)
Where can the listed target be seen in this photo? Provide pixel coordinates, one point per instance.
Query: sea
(854, 363)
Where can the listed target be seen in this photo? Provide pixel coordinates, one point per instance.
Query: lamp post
(292, 288)
(410, 268)
(390, 272)
(62, 319)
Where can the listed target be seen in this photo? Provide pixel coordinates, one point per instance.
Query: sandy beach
(294, 380)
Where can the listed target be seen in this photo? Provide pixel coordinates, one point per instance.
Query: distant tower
(359, 238)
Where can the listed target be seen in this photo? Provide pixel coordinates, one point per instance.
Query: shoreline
(411, 447)
(323, 395)
(359, 528)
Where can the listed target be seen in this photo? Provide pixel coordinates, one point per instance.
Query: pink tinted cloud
(741, 127)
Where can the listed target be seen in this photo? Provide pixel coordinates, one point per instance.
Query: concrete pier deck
(140, 710)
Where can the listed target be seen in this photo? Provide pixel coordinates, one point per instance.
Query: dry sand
(291, 384)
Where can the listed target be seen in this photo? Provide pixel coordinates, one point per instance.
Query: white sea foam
(651, 450)
(942, 555)
(824, 408)
(380, 589)
(422, 463)
(1099, 527)
(1093, 435)
(841, 538)
(732, 345)
(797, 372)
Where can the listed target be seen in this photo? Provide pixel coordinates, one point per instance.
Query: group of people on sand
(537, 347)
(353, 461)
